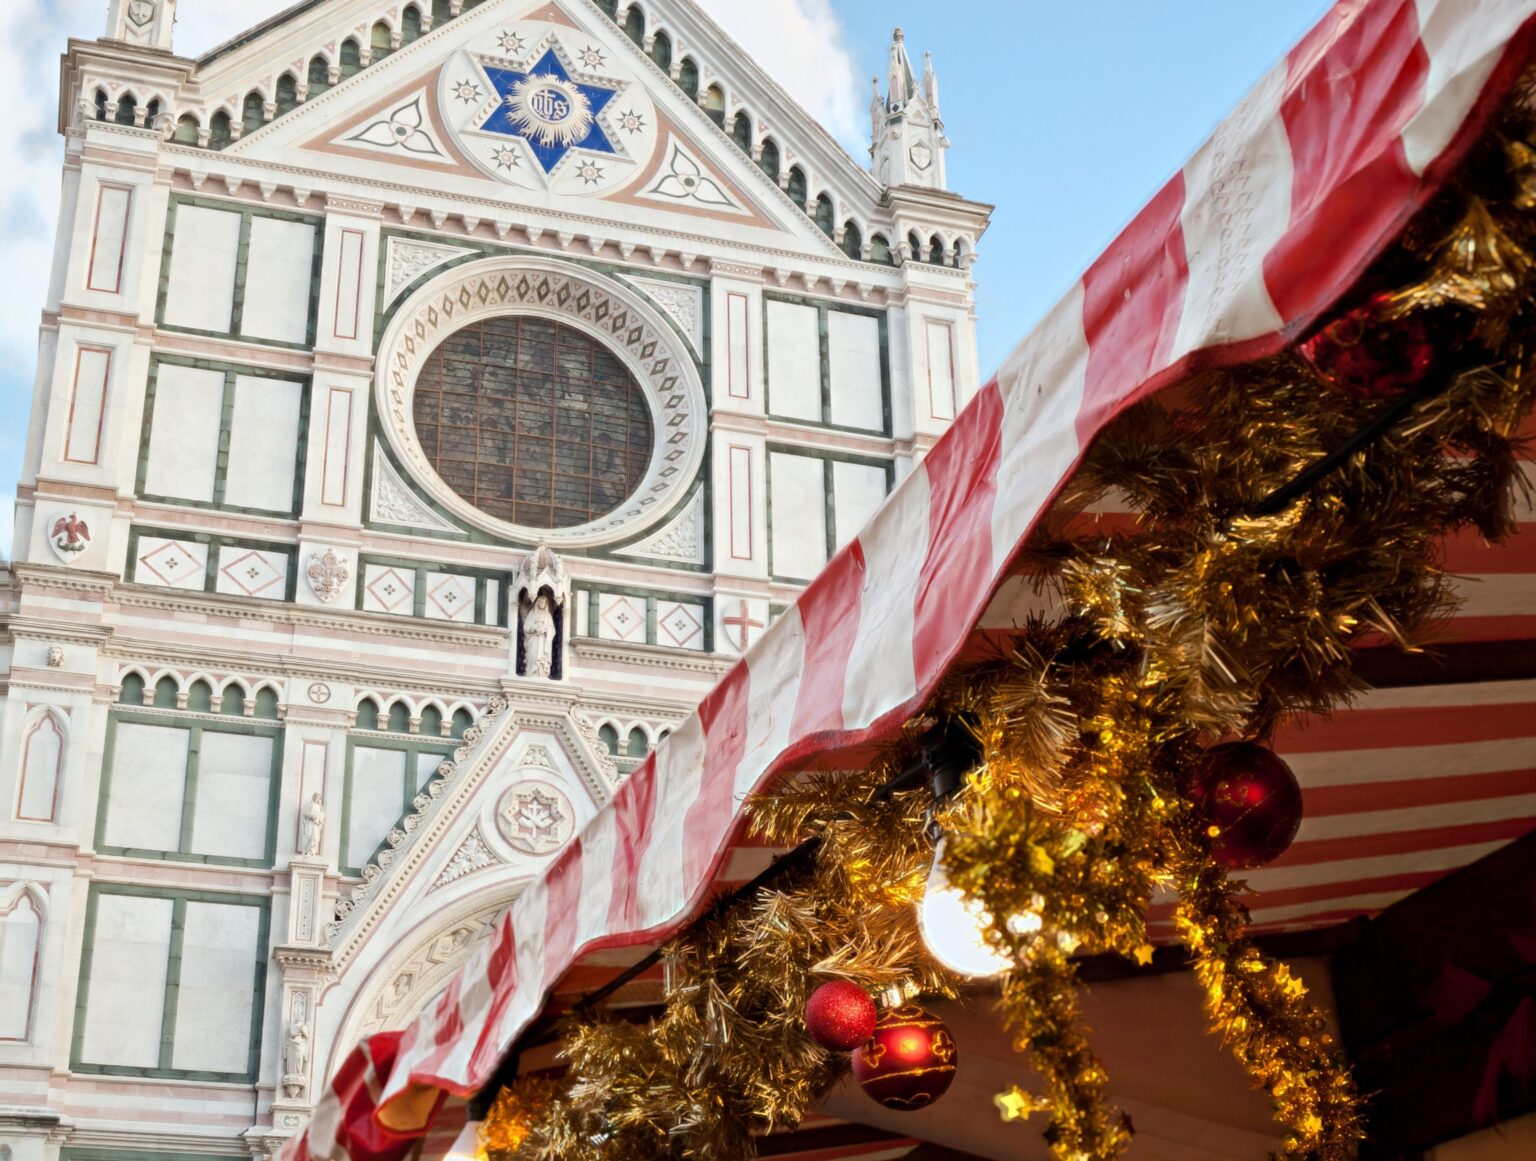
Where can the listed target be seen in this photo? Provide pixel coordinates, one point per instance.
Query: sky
(1065, 114)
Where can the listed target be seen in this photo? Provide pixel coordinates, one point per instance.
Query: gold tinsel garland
(1202, 621)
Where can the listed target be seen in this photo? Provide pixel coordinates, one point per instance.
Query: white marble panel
(680, 625)
(87, 405)
(200, 290)
(387, 589)
(250, 572)
(20, 930)
(940, 348)
(149, 781)
(264, 444)
(171, 564)
(853, 351)
(426, 766)
(798, 495)
(620, 617)
(794, 361)
(123, 1013)
(110, 244)
(857, 491)
(234, 795)
(450, 597)
(184, 433)
(376, 801)
(217, 989)
(279, 275)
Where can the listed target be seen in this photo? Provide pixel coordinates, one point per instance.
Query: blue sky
(1066, 114)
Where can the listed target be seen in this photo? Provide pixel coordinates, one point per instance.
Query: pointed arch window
(634, 24)
(853, 241)
(798, 188)
(255, 112)
(741, 132)
(714, 104)
(42, 769)
(21, 946)
(319, 76)
(769, 161)
(661, 52)
(287, 94)
(825, 215)
(688, 78)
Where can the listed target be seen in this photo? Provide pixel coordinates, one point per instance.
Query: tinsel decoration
(1207, 617)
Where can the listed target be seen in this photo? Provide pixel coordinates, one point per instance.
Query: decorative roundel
(657, 470)
(535, 818)
(547, 107)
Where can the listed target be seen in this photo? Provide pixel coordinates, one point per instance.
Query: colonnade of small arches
(630, 740)
(857, 240)
(400, 27)
(426, 717)
(267, 101)
(200, 693)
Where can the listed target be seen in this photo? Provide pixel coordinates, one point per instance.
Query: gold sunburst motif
(550, 111)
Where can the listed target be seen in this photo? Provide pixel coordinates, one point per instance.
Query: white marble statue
(312, 827)
(539, 638)
(296, 1051)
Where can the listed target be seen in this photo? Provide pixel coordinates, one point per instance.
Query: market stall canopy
(1266, 228)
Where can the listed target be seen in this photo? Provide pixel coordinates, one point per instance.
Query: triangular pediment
(541, 104)
(521, 784)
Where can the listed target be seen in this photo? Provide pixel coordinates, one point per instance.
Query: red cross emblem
(743, 622)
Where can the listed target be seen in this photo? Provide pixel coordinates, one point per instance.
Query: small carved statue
(55, 657)
(539, 638)
(296, 1051)
(312, 827)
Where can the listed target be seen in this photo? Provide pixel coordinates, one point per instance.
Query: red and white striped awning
(1309, 180)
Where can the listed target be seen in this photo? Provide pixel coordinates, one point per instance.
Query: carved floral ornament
(616, 315)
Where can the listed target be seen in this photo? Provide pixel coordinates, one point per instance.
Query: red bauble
(840, 1016)
(909, 1062)
(1253, 803)
(1370, 354)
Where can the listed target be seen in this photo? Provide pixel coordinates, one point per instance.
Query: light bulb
(955, 928)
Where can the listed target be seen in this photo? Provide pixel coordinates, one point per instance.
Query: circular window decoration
(542, 403)
(533, 422)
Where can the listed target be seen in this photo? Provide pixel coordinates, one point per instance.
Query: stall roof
(1270, 223)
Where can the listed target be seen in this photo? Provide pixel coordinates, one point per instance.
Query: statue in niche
(539, 638)
(296, 1059)
(312, 827)
(539, 598)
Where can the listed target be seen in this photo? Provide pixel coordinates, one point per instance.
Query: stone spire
(909, 143)
(144, 23)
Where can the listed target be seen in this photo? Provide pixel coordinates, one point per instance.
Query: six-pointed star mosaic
(551, 113)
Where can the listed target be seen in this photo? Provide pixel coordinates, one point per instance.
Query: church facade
(434, 400)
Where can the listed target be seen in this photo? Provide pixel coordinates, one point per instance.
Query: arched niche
(23, 917)
(41, 769)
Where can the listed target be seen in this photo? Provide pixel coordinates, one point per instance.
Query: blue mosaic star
(550, 112)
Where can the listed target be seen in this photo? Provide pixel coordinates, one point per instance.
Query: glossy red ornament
(1252, 800)
(910, 1060)
(1370, 354)
(840, 1016)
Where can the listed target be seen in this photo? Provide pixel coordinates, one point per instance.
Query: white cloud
(799, 42)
